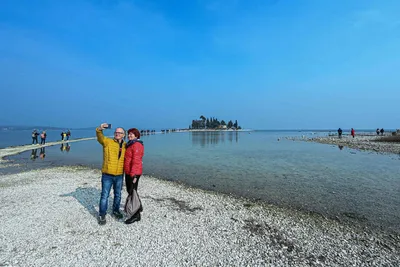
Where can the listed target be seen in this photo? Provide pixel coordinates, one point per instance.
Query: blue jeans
(106, 182)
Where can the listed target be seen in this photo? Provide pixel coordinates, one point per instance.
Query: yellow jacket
(111, 163)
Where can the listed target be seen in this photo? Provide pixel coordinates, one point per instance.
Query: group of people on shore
(353, 132)
(43, 136)
(340, 132)
(381, 131)
(119, 158)
(65, 135)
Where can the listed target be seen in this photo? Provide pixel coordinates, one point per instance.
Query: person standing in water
(340, 131)
(35, 137)
(43, 136)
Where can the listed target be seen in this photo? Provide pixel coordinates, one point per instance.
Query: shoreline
(364, 142)
(181, 226)
(213, 130)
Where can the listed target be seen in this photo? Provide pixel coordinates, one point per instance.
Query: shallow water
(361, 187)
(23, 137)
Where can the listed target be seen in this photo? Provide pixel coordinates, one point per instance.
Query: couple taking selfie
(120, 157)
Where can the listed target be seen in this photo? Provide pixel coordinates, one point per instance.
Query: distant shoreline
(363, 142)
(214, 130)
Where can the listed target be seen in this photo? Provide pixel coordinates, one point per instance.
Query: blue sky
(270, 64)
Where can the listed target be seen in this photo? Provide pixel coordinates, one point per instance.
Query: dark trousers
(43, 141)
(130, 186)
(34, 140)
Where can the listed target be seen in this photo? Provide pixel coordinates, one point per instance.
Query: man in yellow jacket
(112, 170)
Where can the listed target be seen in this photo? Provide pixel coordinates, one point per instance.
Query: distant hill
(38, 127)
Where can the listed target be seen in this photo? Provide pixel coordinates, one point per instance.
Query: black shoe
(134, 218)
(141, 208)
(117, 214)
(102, 220)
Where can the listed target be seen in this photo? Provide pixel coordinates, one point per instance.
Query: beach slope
(49, 218)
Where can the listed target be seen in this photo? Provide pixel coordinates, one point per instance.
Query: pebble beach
(49, 218)
(363, 142)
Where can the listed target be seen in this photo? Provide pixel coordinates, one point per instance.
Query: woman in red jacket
(133, 166)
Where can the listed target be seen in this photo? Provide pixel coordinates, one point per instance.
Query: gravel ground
(361, 142)
(49, 218)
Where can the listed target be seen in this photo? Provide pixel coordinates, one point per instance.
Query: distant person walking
(62, 136)
(353, 133)
(340, 131)
(43, 136)
(68, 134)
(133, 167)
(377, 131)
(35, 137)
(112, 170)
(382, 131)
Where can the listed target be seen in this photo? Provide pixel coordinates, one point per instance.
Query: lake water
(358, 187)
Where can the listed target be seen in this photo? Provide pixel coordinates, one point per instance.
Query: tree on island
(213, 123)
(203, 119)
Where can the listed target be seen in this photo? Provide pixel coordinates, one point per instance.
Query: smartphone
(108, 126)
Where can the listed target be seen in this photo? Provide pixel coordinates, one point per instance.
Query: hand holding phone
(105, 126)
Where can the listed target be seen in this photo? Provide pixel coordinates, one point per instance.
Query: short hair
(121, 128)
(135, 132)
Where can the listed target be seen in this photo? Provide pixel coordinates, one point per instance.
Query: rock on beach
(48, 218)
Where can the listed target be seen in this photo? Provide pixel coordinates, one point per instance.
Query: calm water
(355, 186)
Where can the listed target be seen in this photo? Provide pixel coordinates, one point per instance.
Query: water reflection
(42, 153)
(34, 155)
(213, 138)
(340, 147)
(65, 147)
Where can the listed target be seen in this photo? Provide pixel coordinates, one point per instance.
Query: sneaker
(117, 214)
(102, 220)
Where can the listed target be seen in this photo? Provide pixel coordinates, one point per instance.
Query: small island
(213, 124)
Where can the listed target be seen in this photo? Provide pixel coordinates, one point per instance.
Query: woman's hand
(134, 180)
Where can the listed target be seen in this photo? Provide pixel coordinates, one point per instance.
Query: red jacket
(133, 164)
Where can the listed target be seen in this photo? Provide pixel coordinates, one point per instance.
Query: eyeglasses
(119, 133)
